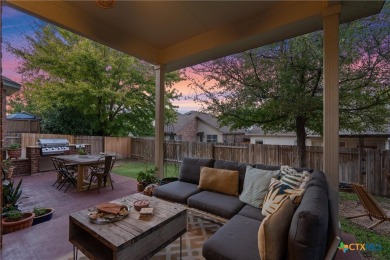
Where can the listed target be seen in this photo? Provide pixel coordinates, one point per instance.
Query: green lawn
(380, 243)
(132, 168)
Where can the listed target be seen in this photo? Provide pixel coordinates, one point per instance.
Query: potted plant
(8, 169)
(14, 151)
(11, 196)
(42, 214)
(15, 220)
(82, 151)
(146, 177)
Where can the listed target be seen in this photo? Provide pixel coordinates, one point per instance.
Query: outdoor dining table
(83, 162)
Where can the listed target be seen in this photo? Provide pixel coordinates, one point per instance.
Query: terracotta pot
(140, 186)
(45, 217)
(14, 153)
(26, 222)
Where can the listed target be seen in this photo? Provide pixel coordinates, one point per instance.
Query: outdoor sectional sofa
(238, 238)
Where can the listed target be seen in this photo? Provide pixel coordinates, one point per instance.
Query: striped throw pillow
(293, 180)
(287, 170)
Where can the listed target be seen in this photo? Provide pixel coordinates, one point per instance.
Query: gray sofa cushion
(277, 167)
(190, 169)
(308, 233)
(317, 179)
(251, 212)
(176, 191)
(222, 205)
(237, 239)
(231, 165)
(267, 167)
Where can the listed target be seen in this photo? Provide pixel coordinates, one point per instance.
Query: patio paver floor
(49, 240)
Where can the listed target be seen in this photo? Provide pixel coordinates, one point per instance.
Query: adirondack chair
(370, 205)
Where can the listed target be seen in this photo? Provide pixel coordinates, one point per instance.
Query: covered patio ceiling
(179, 34)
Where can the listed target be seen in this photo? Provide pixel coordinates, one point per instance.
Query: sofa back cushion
(219, 180)
(235, 166)
(309, 227)
(277, 167)
(190, 169)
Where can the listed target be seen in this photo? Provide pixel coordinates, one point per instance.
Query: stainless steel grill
(53, 146)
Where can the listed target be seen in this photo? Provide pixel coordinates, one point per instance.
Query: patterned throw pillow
(291, 177)
(287, 170)
(279, 191)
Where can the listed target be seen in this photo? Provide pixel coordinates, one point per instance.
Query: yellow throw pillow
(219, 180)
(273, 232)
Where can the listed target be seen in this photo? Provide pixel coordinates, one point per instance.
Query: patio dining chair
(102, 174)
(67, 174)
(370, 205)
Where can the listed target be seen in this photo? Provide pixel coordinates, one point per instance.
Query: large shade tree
(279, 87)
(110, 92)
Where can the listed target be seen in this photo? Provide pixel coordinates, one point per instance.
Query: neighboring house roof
(23, 116)
(208, 119)
(9, 85)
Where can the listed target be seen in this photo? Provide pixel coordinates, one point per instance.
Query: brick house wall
(189, 132)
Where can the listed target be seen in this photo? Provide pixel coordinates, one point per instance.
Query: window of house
(212, 138)
(179, 137)
(259, 141)
(342, 144)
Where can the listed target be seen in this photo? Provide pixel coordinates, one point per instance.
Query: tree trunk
(301, 140)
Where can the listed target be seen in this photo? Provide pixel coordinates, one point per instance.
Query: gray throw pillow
(256, 185)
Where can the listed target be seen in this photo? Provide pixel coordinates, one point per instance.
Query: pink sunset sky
(16, 23)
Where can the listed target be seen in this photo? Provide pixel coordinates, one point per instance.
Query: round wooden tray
(107, 219)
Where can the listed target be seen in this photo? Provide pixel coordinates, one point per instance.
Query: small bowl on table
(139, 204)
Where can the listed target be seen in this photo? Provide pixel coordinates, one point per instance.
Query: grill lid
(53, 142)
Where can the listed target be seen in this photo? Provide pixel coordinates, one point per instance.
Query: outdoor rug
(198, 230)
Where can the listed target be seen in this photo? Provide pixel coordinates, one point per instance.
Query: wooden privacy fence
(377, 162)
(376, 168)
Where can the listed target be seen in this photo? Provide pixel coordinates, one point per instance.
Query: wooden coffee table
(128, 238)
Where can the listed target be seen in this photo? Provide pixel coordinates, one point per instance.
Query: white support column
(331, 109)
(159, 120)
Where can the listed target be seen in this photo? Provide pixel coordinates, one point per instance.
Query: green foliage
(279, 87)
(14, 146)
(14, 215)
(148, 176)
(77, 81)
(39, 211)
(66, 120)
(366, 236)
(11, 196)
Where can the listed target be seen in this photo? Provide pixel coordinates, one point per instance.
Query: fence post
(250, 153)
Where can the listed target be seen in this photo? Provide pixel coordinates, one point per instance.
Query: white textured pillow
(256, 185)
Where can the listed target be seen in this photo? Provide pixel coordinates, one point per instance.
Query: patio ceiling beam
(272, 25)
(331, 109)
